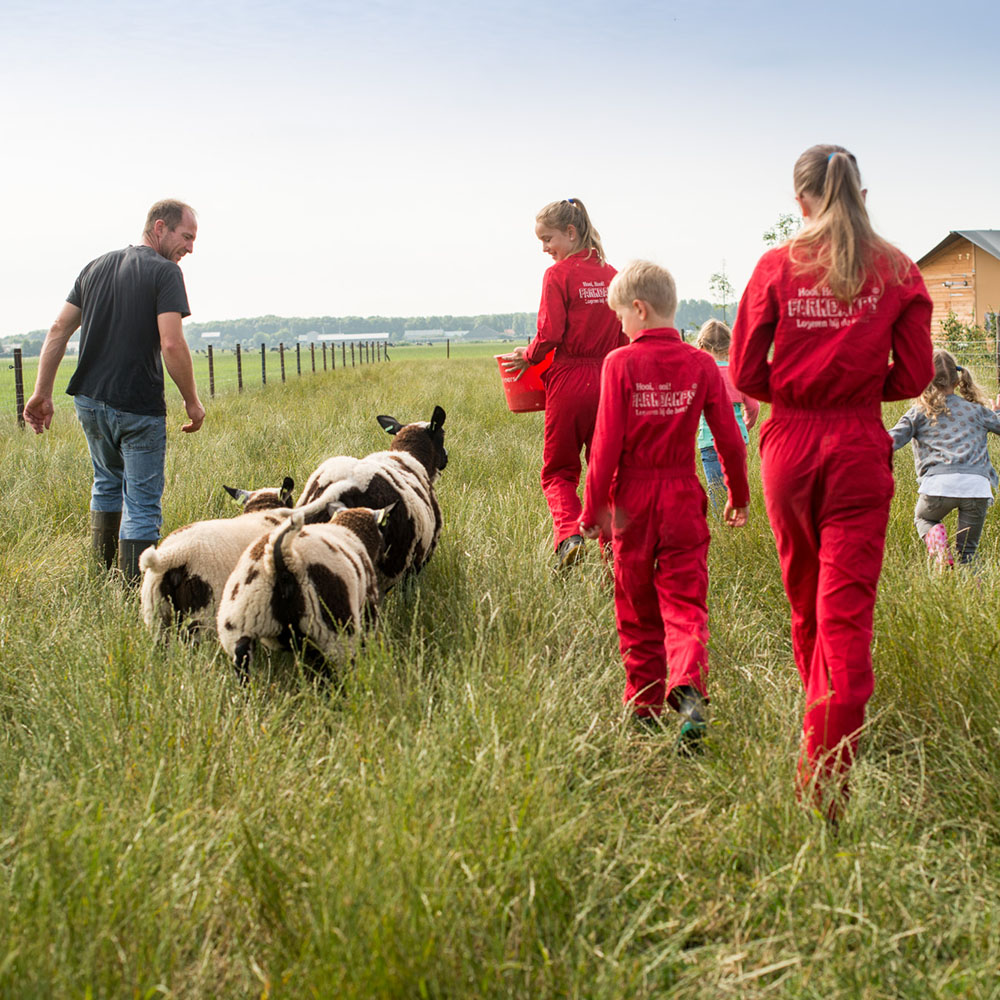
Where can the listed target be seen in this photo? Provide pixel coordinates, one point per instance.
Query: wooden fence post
(263, 364)
(447, 348)
(343, 354)
(19, 386)
(312, 351)
(239, 368)
(281, 357)
(211, 372)
(298, 359)
(324, 355)
(352, 353)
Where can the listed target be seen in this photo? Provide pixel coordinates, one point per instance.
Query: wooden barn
(962, 274)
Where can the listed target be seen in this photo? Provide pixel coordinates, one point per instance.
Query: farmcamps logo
(662, 400)
(593, 292)
(814, 308)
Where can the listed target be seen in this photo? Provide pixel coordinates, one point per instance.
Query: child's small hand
(736, 517)
(516, 361)
(590, 531)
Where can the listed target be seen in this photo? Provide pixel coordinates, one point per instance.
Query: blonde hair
(948, 375)
(648, 282)
(839, 244)
(714, 337)
(571, 212)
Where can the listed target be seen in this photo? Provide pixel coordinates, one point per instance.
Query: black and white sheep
(404, 476)
(309, 587)
(184, 575)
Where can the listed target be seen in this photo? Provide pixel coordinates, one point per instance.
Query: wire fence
(216, 371)
(220, 371)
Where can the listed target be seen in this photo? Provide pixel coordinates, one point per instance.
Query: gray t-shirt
(121, 295)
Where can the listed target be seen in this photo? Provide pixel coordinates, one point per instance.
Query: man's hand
(196, 416)
(38, 413)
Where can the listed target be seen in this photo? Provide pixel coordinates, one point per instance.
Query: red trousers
(572, 392)
(660, 544)
(828, 485)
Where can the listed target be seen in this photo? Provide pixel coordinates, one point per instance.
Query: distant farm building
(484, 332)
(962, 274)
(423, 336)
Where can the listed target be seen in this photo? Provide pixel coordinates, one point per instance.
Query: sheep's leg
(242, 657)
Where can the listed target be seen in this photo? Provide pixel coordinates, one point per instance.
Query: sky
(388, 157)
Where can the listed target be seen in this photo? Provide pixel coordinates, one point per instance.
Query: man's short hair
(646, 281)
(170, 210)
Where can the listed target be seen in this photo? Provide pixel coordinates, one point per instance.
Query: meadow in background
(470, 816)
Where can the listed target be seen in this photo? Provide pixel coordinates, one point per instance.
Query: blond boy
(643, 490)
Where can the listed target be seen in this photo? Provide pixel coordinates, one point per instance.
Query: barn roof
(985, 239)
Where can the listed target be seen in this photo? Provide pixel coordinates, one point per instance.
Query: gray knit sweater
(955, 443)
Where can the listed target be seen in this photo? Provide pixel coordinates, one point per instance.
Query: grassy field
(226, 371)
(470, 816)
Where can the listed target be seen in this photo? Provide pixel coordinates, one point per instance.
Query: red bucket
(524, 390)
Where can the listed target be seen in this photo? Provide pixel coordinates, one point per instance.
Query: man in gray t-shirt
(129, 305)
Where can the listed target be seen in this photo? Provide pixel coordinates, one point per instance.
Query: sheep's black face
(436, 430)
(441, 453)
(423, 441)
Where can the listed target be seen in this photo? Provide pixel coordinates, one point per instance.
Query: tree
(784, 229)
(722, 288)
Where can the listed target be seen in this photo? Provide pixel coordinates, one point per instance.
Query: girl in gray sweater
(949, 425)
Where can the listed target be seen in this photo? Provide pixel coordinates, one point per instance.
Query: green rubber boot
(104, 535)
(129, 550)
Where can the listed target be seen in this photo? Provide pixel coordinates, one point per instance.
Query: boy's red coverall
(826, 462)
(573, 318)
(642, 485)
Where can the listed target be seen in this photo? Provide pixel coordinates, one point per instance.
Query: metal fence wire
(216, 371)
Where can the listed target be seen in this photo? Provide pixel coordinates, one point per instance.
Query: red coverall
(642, 485)
(826, 463)
(573, 318)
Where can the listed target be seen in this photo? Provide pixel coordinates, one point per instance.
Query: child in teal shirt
(714, 337)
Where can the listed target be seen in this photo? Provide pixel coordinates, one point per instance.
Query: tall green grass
(467, 815)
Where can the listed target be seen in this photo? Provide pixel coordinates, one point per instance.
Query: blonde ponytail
(839, 245)
(571, 212)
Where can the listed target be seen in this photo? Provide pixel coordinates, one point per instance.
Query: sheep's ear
(240, 496)
(382, 516)
(389, 424)
(285, 493)
(437, 419)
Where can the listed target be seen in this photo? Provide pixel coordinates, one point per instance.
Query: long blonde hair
(570, 212)
(948, 375)
(714, 337)
(839, 244)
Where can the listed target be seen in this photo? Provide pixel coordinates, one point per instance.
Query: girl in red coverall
(575, 320)
(642, 489)
(834, 302)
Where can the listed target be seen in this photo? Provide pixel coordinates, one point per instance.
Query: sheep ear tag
(389, 424)
(240, 496)
(437, 419)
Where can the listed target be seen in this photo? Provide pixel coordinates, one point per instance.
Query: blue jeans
(714, 481)
(128, 452)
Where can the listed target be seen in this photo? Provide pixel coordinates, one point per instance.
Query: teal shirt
(705, 435)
